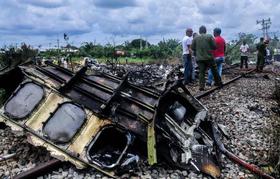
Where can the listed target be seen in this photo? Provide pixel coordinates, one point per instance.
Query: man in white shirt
(187, 56)
(244, 49)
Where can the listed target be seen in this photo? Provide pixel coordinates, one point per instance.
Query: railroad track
(53, 164)
(208, 92)
(40, 169)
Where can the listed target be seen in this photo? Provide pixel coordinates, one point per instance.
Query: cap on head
(202, 29)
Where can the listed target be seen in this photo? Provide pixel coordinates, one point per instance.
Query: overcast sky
(41, 22)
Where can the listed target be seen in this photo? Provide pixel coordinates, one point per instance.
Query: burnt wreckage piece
(106, 122)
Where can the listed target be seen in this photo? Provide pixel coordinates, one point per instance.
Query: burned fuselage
(106, 122)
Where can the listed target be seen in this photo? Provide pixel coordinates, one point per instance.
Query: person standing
(244, 49)
(261, 47)
(194, 65)
(203, 46)
(187, 56)
(65, 63)
(218, 53)
(268, 57)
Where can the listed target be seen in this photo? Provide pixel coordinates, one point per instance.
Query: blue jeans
(219, 61)
(188, 68)
(194, 65)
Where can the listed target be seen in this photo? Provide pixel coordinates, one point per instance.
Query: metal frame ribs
(123, 122)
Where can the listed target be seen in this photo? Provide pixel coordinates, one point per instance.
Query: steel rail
(40, 169)
(55, 163)
(206, 93)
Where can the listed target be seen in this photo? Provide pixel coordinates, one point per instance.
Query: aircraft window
(24, 101)
(108, 147)
(64, 123)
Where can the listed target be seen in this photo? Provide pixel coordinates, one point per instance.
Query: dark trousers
(244, 59)
(188, 68)
(260, 62)
(203, 65)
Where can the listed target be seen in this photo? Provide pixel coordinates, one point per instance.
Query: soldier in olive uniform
(203, 45)
(261, 47)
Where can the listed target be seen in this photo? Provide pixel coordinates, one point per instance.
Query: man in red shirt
(219, 54)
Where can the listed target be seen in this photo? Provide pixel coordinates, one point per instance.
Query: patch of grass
(129, 60)
(74, 59)
(123, 60)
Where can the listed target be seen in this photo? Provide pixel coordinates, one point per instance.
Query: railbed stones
(249, 118)
(277, 90)
(245, 112)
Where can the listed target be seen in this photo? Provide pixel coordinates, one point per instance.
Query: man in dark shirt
(218, 53)
(203, 46)
(261, 55)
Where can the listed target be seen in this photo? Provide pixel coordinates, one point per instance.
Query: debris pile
(141, 75)
(119, 125)
(246, 109)
(108, 123)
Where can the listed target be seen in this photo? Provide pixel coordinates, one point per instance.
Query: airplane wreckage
(102, 121)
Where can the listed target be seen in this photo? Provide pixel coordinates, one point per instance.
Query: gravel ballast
(244, 108)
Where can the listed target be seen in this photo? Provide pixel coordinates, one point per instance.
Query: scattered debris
(100, 120)
(7, 157)
(266, 77)
(111, 123)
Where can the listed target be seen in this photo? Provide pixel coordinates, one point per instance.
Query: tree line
(137, 48)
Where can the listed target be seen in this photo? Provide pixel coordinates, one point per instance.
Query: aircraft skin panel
(77, 114)
(91, 128)
(43, 113)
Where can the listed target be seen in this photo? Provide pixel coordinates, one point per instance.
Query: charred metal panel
(135, 125)
(64, 123)
(178, 108)
(204, 161)
(106, 81)
(105, 122)
(100, 92)
(86, 99)
(56, 71)
(136, 108)
(95, 91)
(113, 110)
(23, 102)
(146, 98)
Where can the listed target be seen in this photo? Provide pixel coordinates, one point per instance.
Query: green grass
(122, 60)
(75, 59)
